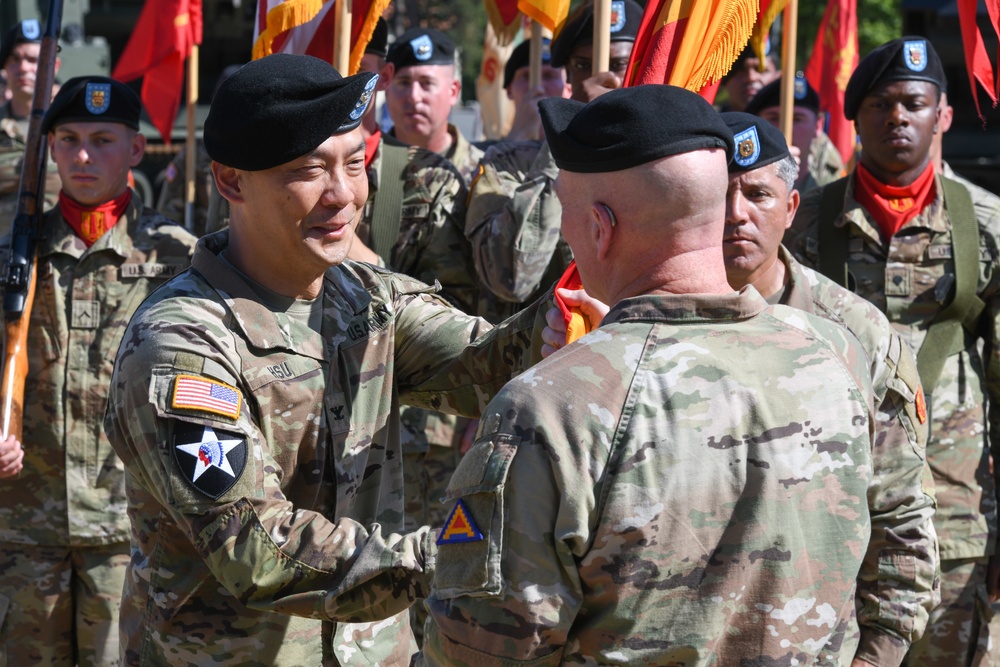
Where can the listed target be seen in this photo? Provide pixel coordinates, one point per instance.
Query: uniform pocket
(471, 541)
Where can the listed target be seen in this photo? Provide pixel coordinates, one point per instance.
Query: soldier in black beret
(746, 77)
(424, 86)
(911, 241)
(516, 80)
(573, 48)
(64, 532)
(256, 399)
(819, 161)
(19, 52)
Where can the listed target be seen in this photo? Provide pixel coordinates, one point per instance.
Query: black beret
(379, 43)
(520, 57)
(28, 31)
(626, 15)
(626, 127)
(280, 107)
(905, 59)
(770, 96)
(421, 46)
(93, 99)
(758, 143)
(749, 52)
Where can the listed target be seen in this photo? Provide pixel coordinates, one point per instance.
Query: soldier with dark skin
(63, 530)
(912, 242)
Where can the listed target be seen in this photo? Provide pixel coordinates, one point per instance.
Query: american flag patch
(197, 393)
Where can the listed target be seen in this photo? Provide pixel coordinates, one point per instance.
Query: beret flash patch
(747, 147)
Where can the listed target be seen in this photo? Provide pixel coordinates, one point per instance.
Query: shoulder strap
(833, 239)
(945, 335)
(388, 206)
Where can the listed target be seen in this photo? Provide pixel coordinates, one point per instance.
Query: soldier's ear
(227, 180)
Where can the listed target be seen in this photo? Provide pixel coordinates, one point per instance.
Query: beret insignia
(366, 95)
(422, 47)
(30, 29)
(617, 15)
(97, 97)
(915, 54)
(747, 147)
(800, 88)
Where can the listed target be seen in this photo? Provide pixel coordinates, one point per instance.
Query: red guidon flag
(977, 62)
(690, 43)
(504, 18)
(308, 26)
(160, 43)
(833, 59)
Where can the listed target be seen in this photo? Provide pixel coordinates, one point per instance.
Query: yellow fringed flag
(690, 43)
(769, 11)
(308, 27)
(550, 13)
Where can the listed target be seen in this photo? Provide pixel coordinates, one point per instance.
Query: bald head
(651, 227)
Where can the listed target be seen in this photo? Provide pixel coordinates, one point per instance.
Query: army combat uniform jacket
(513, 223)
(647, 497)
(263, 462)
(911, 278)
(896, 589)
(71, 491)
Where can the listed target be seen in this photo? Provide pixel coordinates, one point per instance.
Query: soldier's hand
(554, 335)
(11, 457)
(993, 578)
(596, 86)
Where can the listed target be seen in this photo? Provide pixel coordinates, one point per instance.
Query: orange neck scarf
(892, 206)
(90, 223)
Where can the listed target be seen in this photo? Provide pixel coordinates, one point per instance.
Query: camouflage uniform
(513, 222)
(431, 247)
(464, 154)
(171, 199)
(13, 137)
(825, 163)
(647, 497)
(910, 280)
(63, 528)
(308, 530)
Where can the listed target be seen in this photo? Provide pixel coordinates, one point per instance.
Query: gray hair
(788, 171)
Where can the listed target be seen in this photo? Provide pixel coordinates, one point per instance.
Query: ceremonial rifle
(19, 272)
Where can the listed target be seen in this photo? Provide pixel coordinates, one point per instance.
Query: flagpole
(535, 56)
(342, 40)
(191, 148)
(788, 38)
(602, 36)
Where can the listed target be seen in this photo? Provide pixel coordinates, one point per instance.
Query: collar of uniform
(59, 237)
(797, 294)
(932, 217)
(259, 325)
(688, 308)
(459, 145)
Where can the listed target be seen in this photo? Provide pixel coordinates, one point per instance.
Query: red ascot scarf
(891, 206)
(89, 223)
(371, 145)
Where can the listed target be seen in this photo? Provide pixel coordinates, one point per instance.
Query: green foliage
(878, 22)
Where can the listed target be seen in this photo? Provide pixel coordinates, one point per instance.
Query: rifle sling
(388, 206)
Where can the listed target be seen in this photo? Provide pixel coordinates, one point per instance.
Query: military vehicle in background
(95, 33)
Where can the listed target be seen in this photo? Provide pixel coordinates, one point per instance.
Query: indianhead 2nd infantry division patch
(210, 459)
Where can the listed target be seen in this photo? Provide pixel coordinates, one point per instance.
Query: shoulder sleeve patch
(201, 394)
(211, 460)
(460, 527)
(921, 406)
